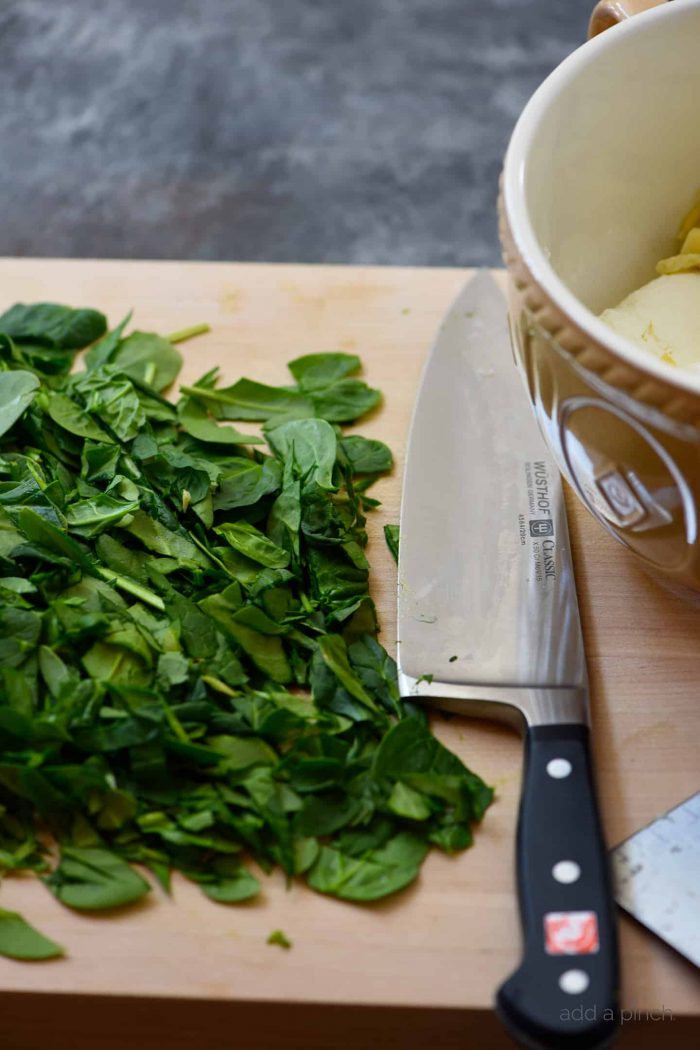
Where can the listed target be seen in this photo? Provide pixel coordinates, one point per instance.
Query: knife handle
(565, 993)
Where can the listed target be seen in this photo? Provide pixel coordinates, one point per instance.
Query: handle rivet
(566, 871)
(559, 768)
(574, 982)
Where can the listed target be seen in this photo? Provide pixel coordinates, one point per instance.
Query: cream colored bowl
(602, 164)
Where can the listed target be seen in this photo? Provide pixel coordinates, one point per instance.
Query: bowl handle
(607, 13)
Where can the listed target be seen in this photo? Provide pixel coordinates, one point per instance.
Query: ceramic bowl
(603, 162)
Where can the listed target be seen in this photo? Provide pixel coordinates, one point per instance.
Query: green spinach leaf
(245, 538)
(345, 401)
(52, 324)
(308, 449)
(247, 399)
(89, 879)
(17, 391)
(280, 939)
(372, 876)
(391, 535)
(367, 456)
(147, 357)
(19, 940)
(317, 371)
(195, 421)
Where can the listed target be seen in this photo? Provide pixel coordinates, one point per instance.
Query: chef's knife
(488, 624)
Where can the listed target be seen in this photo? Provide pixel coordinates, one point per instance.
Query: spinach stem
(174, 723)
(188, 333)
(125, 584)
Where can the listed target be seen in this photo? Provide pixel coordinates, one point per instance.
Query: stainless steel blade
(487, 601)
(656, 877)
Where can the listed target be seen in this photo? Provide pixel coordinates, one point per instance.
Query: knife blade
(488, 625)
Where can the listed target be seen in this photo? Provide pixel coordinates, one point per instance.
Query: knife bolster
(519, 706)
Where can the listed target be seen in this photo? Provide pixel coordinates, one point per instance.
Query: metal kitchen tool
(656, 873)
(485, 577)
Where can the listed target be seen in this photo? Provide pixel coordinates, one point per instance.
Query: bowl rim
(518, 216)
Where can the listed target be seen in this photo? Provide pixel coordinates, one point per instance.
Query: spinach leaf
(194, 629)
(240, 752)
(409, 747)
(345, 401)
(90, 517)
(326, 813)
(266, 651)
(73, 418)
(196, 422)
(19, 940)
(147, 357)
(231, 889)
(162, 540)
(40, 531)
(336, 581)
(316, 371)
(391, 535)
(249, 400)
(17, 391)
(366, 456)
(372, 876)
(54, 325)
(335, 656)
(376, 671)
(89, 878)
(280, 939)
(411, 753)
(19, 634)
(245, 538)
(99, 461)
(102, 351)
(113, 399)
(406, 802)
(308, 449)
(244, 482)
(285, 518)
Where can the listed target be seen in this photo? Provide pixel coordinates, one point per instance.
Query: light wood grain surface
(452, 938)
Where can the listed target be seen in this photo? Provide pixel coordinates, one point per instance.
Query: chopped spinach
(90, 878)
(391, 535)
(17, 391)
(19, 940)
(279, 938)
(367, 456)
(189, 670)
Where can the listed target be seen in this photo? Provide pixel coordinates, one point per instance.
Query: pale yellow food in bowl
(663, 316)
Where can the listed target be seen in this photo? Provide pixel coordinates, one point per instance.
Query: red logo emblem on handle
(571, 933)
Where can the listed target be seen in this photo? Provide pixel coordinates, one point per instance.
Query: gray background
(363, 131)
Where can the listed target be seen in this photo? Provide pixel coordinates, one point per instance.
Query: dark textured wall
(364, 131)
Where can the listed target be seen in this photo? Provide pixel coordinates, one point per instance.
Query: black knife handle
(564, 996)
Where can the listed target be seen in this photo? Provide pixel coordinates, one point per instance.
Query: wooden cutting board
(448, 941)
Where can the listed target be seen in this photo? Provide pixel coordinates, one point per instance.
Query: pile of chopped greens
(190, 676)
